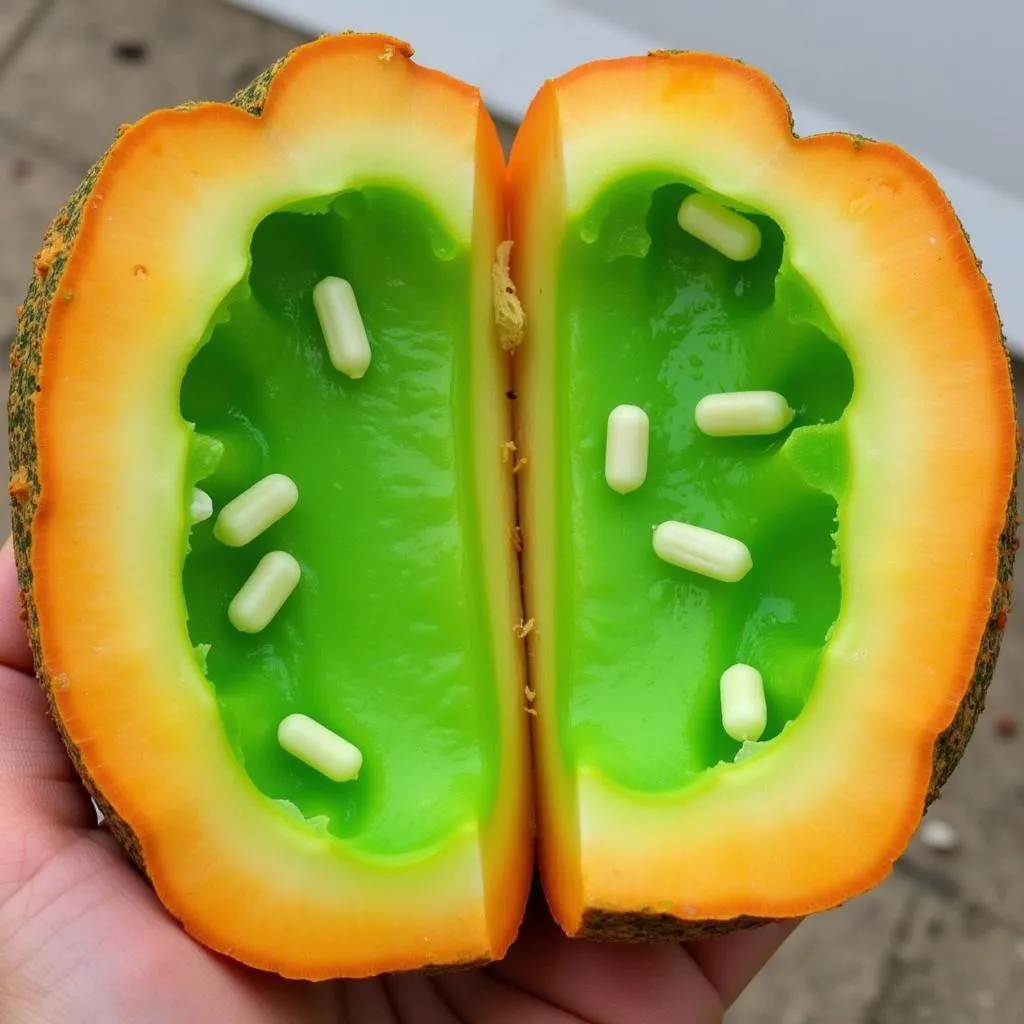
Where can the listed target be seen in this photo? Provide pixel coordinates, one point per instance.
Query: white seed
(255, 510)
(732, 234)
(320, 748)
(702, 551)
(200, 507)
(939, 836)
(625, 458)
(743, 413)
(744, 710)
(343, 328)
(264, 592)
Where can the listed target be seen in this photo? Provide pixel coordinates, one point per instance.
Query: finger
(610, 983)
(479, 998)
(31, 753)
(14, 648)
(38, 785)
(89, 932)
(366, 1002)
(415, 1000)
(731, 962)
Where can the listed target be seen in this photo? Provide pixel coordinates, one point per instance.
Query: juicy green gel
(386, 639)
(650, 316)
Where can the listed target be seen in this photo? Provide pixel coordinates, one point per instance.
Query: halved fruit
(263, 506)
(745, 723)
(271, 587)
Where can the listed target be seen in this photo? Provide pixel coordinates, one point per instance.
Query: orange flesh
(820, 814)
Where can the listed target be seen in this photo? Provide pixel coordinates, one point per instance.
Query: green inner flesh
(386, 638)
(650, 316)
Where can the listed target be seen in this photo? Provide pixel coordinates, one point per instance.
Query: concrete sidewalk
(943, 939)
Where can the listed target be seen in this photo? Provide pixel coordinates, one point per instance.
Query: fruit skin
(46, 293)
(587, 113)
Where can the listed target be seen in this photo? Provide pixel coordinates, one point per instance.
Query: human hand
(83, 939)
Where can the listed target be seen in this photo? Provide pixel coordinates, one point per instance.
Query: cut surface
(649, 315)
(386, 640)
(186, 273)
(873, 519)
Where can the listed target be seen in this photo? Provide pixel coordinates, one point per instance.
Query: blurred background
(943, 939)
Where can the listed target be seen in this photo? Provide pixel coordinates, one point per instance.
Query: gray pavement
(943, 939)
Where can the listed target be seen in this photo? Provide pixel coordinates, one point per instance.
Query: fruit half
(674, 241)
(170, 356)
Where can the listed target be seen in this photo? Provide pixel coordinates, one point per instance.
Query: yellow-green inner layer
(648, 315)
(386, 639)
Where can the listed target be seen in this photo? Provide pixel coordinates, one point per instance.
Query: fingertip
(615, 983)
(731, 962)
(14, 647)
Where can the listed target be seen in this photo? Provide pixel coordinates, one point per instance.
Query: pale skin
(83, 938)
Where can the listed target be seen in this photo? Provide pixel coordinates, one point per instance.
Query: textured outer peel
(131, 272)
(929, 521)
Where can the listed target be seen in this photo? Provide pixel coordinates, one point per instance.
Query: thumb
(15, 652)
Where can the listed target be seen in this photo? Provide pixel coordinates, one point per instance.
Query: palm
(83, 938)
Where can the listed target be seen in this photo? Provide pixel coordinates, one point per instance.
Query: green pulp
(386, 639)
(648, 315)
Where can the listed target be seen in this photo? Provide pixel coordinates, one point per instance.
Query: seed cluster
(730, 414)
(278, 573)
